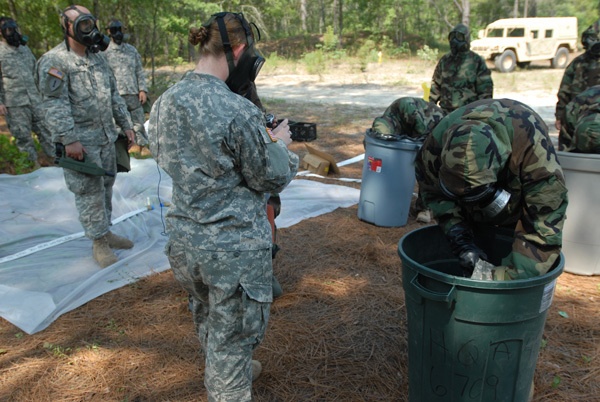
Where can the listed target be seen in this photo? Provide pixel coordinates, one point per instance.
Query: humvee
(513, 42)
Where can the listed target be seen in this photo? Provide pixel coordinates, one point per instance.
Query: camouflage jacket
(222, 160)
(80, 97)
(583, 72)
(17, 69)
(530, 172)
(459, 79)
(409, 116)
(126, 64)
(583, 121)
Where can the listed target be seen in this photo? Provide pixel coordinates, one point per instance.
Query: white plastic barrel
(581, 234)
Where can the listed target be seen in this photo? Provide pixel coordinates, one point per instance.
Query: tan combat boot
(102, 252)
(119, 242)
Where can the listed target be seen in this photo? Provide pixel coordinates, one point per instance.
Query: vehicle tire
(506, 62)
(523, 64)
(561, 58)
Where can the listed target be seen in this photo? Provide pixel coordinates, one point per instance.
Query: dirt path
(382, 84)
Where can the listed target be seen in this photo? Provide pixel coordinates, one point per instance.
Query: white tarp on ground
(55, 272)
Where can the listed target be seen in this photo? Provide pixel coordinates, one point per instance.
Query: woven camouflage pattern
(583, 72)
(81, 103)
(222, 161)
(20, 95)
(583, 121)
(517, 150)
(409, 116)
(459, 79)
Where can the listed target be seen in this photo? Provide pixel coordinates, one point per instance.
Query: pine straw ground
(337, 334)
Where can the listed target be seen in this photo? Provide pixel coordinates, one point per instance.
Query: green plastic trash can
(470, 340)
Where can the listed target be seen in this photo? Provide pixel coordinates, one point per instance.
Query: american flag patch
(56, 73)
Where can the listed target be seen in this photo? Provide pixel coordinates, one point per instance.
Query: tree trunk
(516, 9)
(303, 15)
(466, 12)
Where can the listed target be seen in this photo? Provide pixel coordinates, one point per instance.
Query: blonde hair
(208, 36)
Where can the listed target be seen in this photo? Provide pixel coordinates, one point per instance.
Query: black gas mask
(458, 42)
(251, 61)
(12, 35)
(591, 44)
(115, 29)
(488, 199)
(85, 31)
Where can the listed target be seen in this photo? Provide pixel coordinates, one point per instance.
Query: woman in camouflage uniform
(222, 160)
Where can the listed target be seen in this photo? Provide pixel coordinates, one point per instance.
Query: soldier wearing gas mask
(223, 160)
(461, 76)
(126, 64)
(19, 97)
(492, 163)
(583, 72)
(81, 104)
(583, 121)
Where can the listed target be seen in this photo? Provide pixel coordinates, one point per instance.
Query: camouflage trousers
(93, 194)
(231, 299)
(136, 111)
(21, 121)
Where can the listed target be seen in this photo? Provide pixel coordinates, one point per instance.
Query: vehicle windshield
(495, 33)
(515, 33)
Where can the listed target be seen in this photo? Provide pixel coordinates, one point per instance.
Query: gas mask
(10, 32)
(591, 45)
(250, 62)
(115, 29)
(488, 199)
(86, 32)
(458, 42)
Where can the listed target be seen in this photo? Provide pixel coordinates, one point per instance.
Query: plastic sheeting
(46, 264)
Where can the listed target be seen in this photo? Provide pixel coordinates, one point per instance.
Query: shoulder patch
(56, 73)
(270, 134)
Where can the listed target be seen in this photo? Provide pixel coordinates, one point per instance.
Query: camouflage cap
(587, 134)
(471, 157)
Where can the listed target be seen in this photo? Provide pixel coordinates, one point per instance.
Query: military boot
(102, 252)
(256, 369)
(118, 242)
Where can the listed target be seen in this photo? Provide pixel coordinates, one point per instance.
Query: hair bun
(197, 35)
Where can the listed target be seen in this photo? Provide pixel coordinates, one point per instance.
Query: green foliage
(428, 54)
(12, 160)
(330, 40)
(366, 54)
(314, 61)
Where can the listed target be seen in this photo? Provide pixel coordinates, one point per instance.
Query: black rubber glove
(463, 246)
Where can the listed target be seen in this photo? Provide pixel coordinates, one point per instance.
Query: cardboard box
(319, 162)
(316, 164)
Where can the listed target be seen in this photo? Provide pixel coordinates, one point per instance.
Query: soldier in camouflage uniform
(583, 72)
(415, 118)
(583, 121)
(408, 116)
(80, 98)
(492, 163)
(461, 76)
(19, 97)
(126, 64)
(222, 160)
